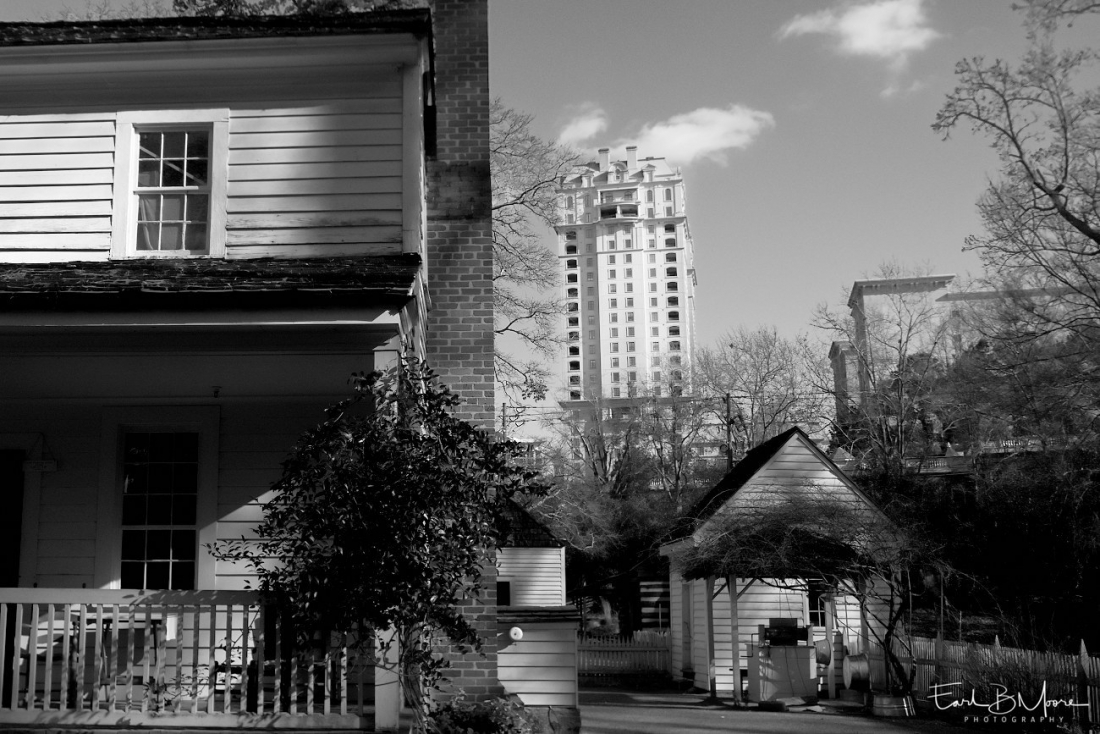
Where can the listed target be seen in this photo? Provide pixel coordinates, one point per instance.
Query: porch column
(735, 637)
(710, 638)
(387, 685)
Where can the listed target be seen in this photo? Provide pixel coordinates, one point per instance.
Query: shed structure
(708, 614)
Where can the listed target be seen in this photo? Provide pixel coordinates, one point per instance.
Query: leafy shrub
(495, 716)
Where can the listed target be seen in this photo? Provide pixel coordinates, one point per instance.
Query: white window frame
(203, 420)
(124, 222)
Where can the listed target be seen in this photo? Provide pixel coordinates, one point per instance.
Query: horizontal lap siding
(540, 668)
(255, 440)
(55, 186)
(316, 180)
(536, 575)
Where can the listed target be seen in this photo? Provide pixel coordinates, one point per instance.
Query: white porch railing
(202, 658)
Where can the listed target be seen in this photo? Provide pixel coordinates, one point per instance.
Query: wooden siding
(542, 667)
(322, 175)
(536, 575)
(318, 179)
(55, 185)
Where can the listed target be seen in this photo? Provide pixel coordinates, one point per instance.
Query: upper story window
(670, 228)
(571, 293)
(649, 195)
(571, 278)
(570, 249)
(673, 315)
(571, 235)
(170, 183)
(670, 257)
(673, 301)
(668, 194)
(674, 331)
(670, 242)
(173, 191)
(570, 264)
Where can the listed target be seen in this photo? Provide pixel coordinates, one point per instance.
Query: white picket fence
(647, 651)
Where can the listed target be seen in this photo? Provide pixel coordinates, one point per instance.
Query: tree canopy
(384, 517)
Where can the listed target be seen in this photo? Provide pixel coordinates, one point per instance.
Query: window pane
(149, 145)
(156, 575)
(148, 173)
(197, 172)
(197, 208)
(133, 575)
(149, 208)
(148, 236)
(171, 236)
(135, 479)
(185, 478)
(172, 174)
(159, 509)
(158, 544)
(183, 509)
(133, 509)
(174, 144)
(198, 144)
(183, 576)
(183, 545)
(133, 545)
(172, 208)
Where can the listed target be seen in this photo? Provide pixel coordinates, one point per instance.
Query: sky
(803, 128)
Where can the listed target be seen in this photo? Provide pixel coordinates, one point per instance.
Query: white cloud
(885, 29)
(707, 132)
(587, 122)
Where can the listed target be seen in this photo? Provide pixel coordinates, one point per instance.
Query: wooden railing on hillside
(200, 656)
(647, 651)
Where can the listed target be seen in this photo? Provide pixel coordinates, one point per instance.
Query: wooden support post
(712, 678)
(735, 637)
(1083, 687)
(830, 629)
(387, 685)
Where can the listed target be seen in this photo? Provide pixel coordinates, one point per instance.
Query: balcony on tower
(619, 204)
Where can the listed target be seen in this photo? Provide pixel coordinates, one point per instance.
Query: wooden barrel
(857, 671)
(892, 706)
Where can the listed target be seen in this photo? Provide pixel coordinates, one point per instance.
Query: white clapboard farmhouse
(205, 226)
(708, 613)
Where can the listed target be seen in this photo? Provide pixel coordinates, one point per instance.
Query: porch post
(830, 627)
(735, 637)
(710, 638)
(387, 685)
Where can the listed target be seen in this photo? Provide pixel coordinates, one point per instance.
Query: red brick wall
(460, 247)
(460, 267)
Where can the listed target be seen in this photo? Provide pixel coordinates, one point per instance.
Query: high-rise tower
(629, 278)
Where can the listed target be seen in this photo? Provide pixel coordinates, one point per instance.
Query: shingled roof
(138, 283)
(416, 21)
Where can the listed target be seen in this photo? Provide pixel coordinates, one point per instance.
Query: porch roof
(416, 21)
(160, 283)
